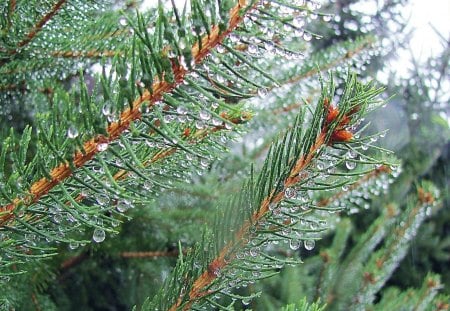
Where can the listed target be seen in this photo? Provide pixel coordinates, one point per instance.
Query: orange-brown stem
(86, 54)
(40, 24)
(152, 254)
(114, 130)
(207, 277)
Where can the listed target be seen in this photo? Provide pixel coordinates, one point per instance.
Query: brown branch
(37, 307)
(219, 262)
(208, 276)
(151, 254)
(85, 54)
(38, 27)
(115, 129)
(11, 9)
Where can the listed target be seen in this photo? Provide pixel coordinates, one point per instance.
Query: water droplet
(205, 115)
(216, 122)
(73, 245)
(289, 193)
(107, 109)
(102, 147)
(351, 154)
(199, 125)
(254, 251)
(99, 235)
(102, 199)
(262, 92)
(326, 18)
(298, 22)
(294, 244)
(350, 165)
(204, 162)
(309, 244)
(252, 49)
(320, 166)
(307, 36)
(122, 206)
(182, 110)
(123, 22)
(234, 38)
(220, 49)
(72, 132)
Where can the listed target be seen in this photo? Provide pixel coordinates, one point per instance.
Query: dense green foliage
(194, 157)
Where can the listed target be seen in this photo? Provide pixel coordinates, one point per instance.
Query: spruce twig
(114, 130)
(38, 26)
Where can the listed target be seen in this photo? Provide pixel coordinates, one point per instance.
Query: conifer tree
(123, 150)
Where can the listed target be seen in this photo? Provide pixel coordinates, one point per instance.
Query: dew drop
(216, 122)
(102, 199)
(351, 154)
(73, 245)
(102, 147)
(254, 252)
(307, 36)
(262, 92)
(298, 22)
(326, 18)
(107, 109)
(220, 49)
(350, 165)
(123, 206)
(204, 115)
(123, 21)
(252, 49)
(199, 125)
(234, 38)
(294, 244)
(72, 132)
(99, 235)
(182, 110)
(309, 244)
(289, 193)
(204, 163)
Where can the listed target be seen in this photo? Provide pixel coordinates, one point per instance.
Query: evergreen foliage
(120, 152)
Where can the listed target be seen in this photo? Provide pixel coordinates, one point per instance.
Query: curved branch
(37, 27)
(219, 262)
(115, 129)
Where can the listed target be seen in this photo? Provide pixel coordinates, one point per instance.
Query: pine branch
(270, 194)
(37, 27)
(115, 129)
(86, 54)
(151, 254)
(383, 262)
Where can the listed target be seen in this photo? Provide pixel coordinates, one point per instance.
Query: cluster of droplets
(358, 195)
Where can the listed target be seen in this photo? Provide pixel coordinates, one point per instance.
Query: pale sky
(425, 42)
